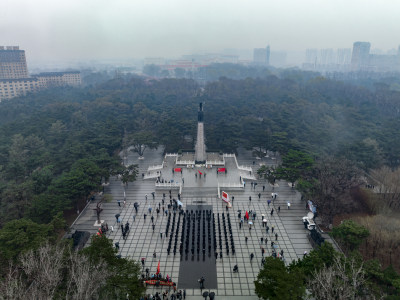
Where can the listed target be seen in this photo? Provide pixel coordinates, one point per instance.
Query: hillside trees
(275, 281)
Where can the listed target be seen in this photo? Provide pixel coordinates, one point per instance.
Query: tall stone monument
(200, 149)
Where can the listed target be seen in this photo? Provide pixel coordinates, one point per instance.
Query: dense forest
(51, 138)
(58, 145)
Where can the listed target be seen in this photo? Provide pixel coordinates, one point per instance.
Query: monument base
(97, 223)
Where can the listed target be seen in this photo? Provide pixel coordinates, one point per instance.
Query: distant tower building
(12, 63)
(15, 80)
(311, 59)
(326, 57)
(261, 56)
(360, 55)
(343, 56)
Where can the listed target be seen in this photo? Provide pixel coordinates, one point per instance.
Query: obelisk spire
(200, 150)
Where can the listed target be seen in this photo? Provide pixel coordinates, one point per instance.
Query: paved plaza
(143, 242)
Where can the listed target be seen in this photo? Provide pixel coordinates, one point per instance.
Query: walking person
(251, 257)
(272, 212)
(279, 209)
(288, 205)
(276, 236)
(272, 229)
(119, 202)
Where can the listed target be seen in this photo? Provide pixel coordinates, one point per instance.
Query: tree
(275, 281)
(267, 173)
(141, 140)
(294, 165)
(54, 272)
(386, 181)
(350, 234)
(343, 280)
(315, 259)
(334, 179)
(124, 273)
(129, 174)
(41, 179)
(19, 236)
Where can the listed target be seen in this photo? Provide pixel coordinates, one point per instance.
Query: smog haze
(99, 29)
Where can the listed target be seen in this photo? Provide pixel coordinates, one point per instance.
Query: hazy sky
(97, 29)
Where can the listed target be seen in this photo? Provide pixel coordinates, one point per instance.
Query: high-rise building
(261, 56)
(326, 57)
(12, 63)
(15, 80)
(360, 55)
(343, 56)
(311, 56)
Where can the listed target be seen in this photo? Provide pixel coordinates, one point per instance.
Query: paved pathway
(142, 241)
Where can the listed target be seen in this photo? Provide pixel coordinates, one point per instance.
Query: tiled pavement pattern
(142, 242)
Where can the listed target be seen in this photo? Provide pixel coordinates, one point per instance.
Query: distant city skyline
(122, 29)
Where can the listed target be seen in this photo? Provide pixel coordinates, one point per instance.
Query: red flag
(158, 268)
(221, 169)
(200, 172)
(178, 169)
(247, 215)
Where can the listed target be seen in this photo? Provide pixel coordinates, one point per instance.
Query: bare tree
(50, 270)
(387, 186)
(85, 279)
(44, 268)
(335, 179)
(343, 280)
(98, 210)
(12, 286)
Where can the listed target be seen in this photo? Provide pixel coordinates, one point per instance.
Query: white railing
(215, 162)
(168, 185)
(185, 162)
(171, 154)
(247, 176)
(245, 168)
(231, 185)
(154, 168)
(151, 175)
(229, 155)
